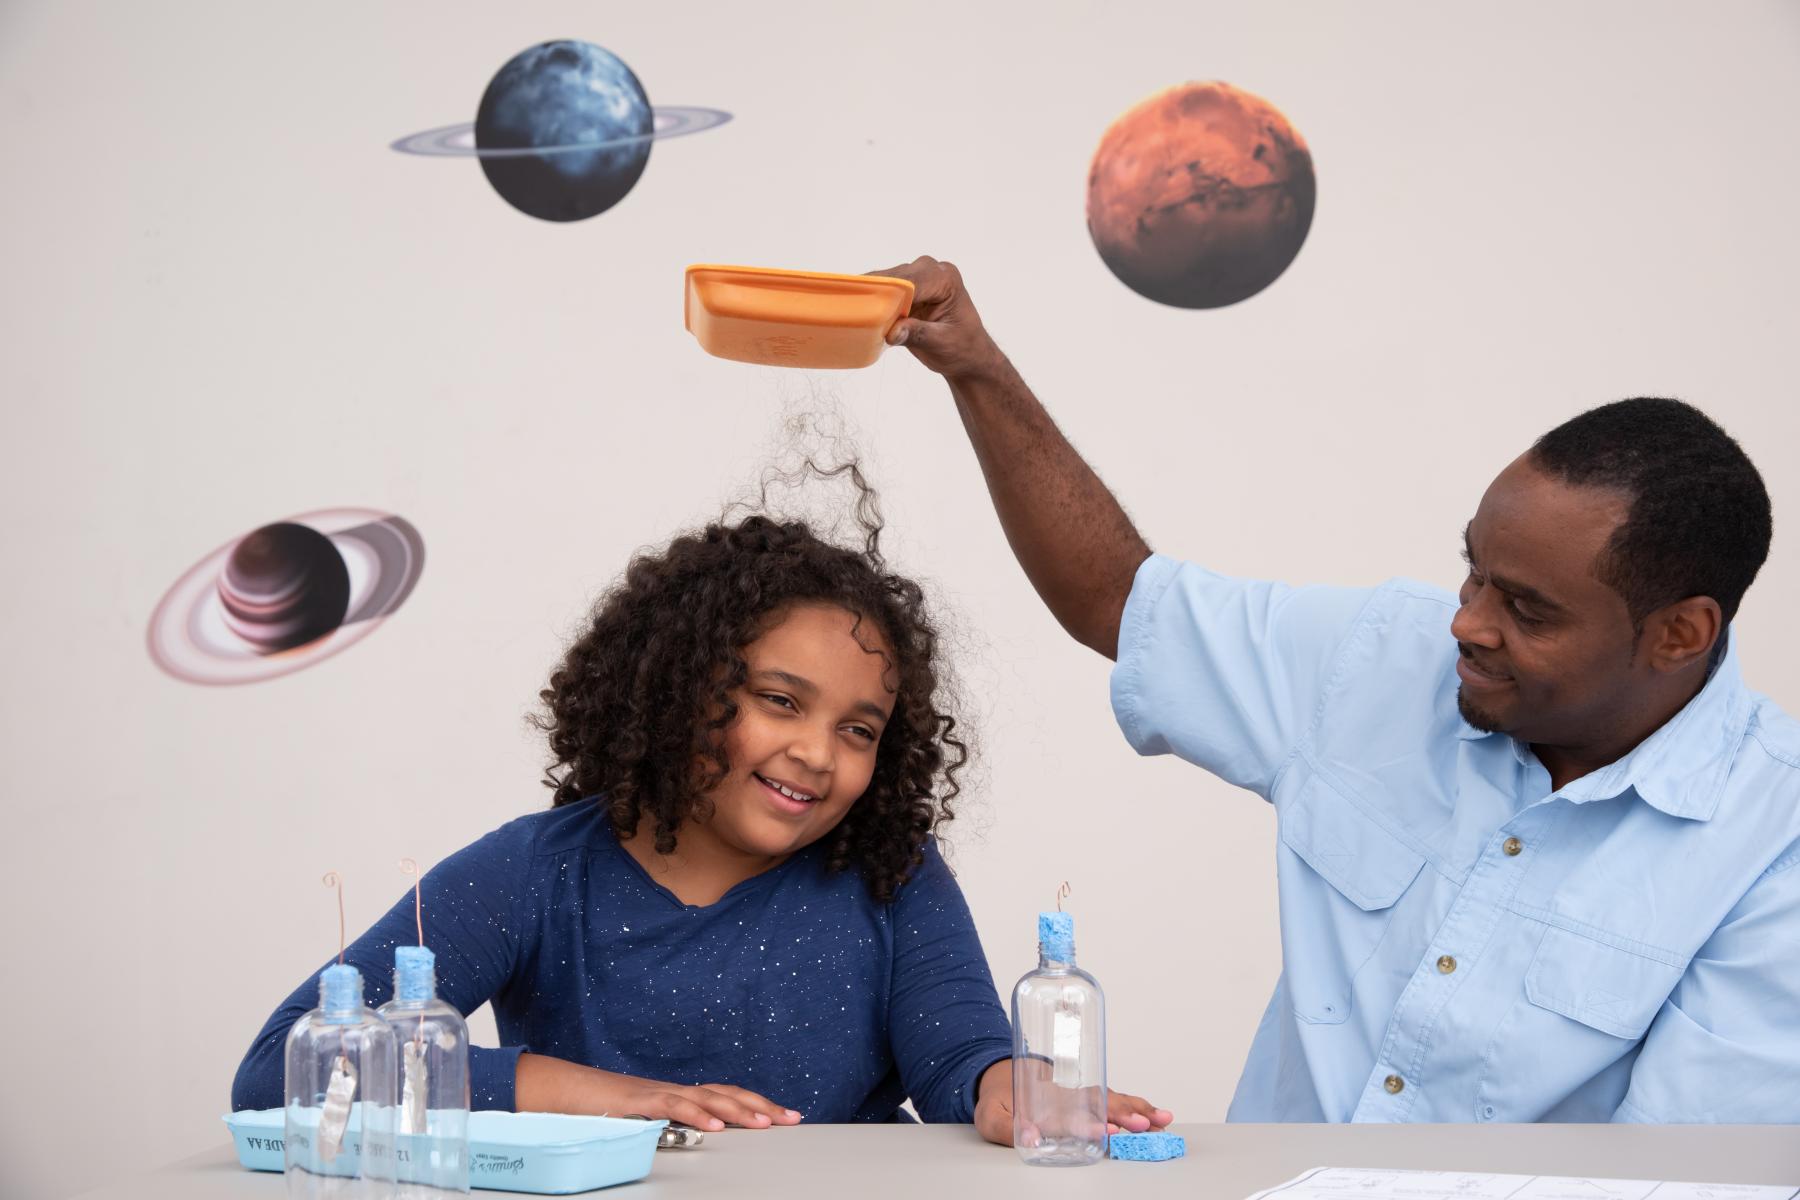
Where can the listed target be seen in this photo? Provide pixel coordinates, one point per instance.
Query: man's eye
(1525, 618)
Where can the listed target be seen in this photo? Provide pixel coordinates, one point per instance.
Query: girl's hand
(994, 1108)
(993, 1104)
(1134, 1114)
(545, 1084)
(703, 1105)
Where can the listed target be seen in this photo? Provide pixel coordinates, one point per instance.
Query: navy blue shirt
(795, 984)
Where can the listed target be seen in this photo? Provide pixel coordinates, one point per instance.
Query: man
(1539, 846)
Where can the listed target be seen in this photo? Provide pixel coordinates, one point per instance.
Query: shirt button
(1393, 1083)
(1513, 846)
(1446, 964)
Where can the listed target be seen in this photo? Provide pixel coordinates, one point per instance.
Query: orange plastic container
(793, 318)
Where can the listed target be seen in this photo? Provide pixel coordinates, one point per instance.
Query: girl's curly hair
(645, 692)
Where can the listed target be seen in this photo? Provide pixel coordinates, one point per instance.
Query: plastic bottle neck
(413, 992)
(1047, 963)
(341, 994)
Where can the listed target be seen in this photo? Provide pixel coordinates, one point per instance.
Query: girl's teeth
(788, 792)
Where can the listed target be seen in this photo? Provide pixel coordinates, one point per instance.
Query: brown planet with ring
(285, 596)
(1200, 196)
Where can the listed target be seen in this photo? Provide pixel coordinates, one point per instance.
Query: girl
(735, 911)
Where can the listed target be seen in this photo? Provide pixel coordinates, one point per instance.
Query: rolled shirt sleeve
(1226, 673)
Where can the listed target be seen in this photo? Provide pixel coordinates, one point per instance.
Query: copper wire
(332, 880)
(1062, 894)
(411, 867)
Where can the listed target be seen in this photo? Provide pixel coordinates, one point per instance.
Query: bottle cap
(341, 993)
(415, 979)
(1056, 936)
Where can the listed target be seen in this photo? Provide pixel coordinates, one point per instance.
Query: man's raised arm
(1079, 549)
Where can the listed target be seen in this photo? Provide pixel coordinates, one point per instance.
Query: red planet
(1200, 196)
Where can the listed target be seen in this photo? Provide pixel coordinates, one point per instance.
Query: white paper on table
(1366, 1183)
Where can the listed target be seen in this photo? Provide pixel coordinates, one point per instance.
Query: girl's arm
(473, 926)
(945, 1022)
(481, 934)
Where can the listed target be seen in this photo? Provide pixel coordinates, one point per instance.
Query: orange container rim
(775, 273)
(778, 279)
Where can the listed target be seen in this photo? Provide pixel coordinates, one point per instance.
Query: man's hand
(545, 1084)
(994, 1108)
(942, 329)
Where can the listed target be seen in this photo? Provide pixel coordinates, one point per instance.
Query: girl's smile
(787, 798)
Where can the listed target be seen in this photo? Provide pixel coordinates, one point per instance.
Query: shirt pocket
(1600, 985)
(1338, 891)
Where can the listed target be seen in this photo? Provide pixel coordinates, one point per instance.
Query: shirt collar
(1681, 768)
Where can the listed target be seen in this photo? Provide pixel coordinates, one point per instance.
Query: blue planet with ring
(563, 131)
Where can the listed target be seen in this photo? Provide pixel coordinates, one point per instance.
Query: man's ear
(1681, 634)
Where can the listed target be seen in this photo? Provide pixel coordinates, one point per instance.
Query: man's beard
(1479, 718)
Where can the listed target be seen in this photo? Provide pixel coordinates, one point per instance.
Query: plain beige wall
(225, 301)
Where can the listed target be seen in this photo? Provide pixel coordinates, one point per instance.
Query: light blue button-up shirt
(1459, 941)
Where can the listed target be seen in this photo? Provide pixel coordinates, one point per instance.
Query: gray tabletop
(1229, 1162)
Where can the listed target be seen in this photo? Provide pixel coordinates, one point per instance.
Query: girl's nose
(812, 750)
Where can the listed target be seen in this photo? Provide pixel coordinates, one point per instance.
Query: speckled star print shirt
(795, 984)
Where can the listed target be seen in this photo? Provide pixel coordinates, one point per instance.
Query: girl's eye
(778, 698)
(867, 735)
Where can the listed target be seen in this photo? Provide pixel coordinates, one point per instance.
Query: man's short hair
(1699, 521)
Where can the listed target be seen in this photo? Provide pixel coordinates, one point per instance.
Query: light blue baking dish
(548, 1154)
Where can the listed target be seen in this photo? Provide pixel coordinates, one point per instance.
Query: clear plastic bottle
(341, 1087)
(434, 1079)
(1059, 1055)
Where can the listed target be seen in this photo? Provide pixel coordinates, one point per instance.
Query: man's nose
(1474, 622)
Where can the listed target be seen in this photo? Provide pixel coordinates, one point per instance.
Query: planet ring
(190, 639)
(459, 140)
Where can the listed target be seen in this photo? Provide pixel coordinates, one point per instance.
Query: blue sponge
(1056, 936)
(1148, 1147)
